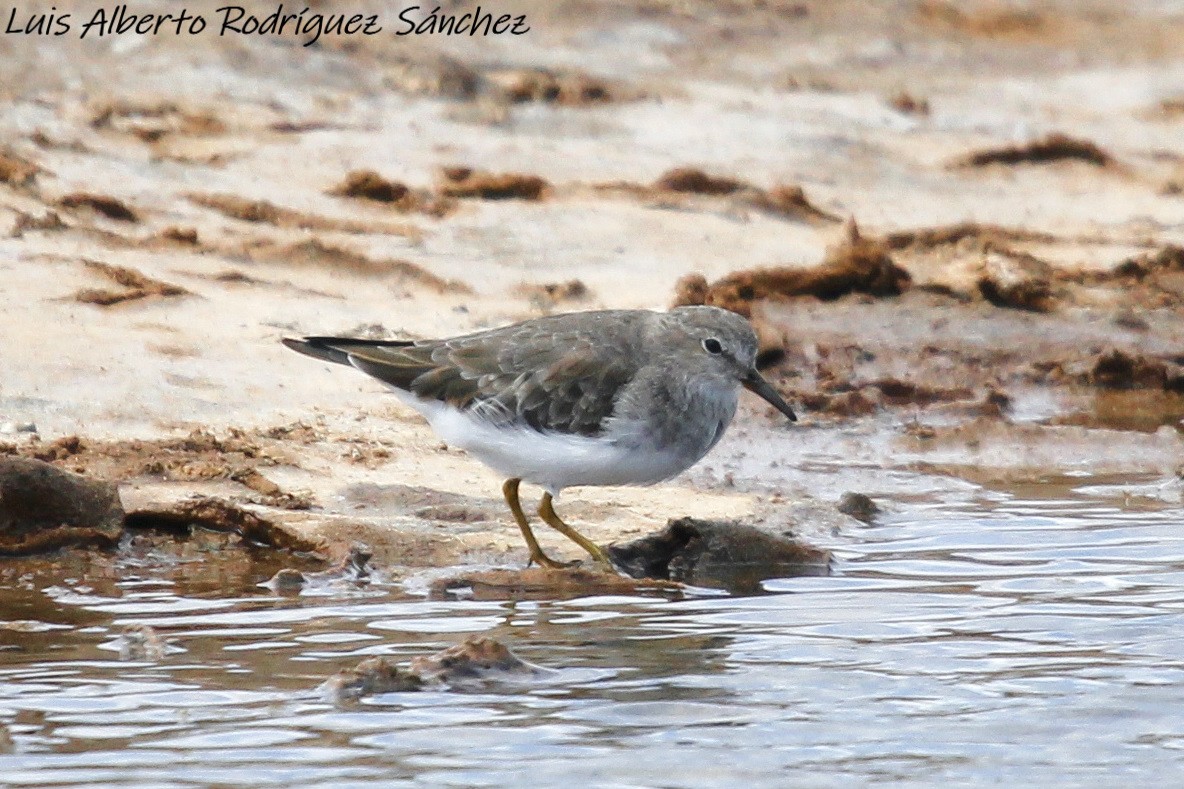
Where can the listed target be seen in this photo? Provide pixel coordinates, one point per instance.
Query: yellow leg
(547, 513)
(510, 491)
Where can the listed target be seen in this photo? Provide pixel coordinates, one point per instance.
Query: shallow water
(1014, 637)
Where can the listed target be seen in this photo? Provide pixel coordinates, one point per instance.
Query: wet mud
(955, 227)
(962, 297)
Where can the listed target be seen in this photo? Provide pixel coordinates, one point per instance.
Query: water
(1021, 637)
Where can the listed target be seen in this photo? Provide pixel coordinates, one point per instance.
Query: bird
(603, 397)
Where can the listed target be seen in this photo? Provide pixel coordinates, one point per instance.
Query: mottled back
(560, 373)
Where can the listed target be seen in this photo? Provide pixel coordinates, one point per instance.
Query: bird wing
(539, 374)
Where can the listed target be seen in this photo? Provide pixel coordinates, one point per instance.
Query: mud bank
(1010, 306)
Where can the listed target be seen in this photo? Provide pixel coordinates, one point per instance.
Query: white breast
(552, 460)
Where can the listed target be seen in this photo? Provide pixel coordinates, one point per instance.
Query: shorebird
(612, 397)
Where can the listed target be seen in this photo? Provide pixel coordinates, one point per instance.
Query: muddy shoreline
(956, 229)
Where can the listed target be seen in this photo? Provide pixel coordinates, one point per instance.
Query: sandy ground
(171, 207)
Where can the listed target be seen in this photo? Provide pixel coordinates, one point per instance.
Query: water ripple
(997, 639)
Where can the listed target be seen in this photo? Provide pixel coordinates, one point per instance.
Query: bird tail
(337, 349)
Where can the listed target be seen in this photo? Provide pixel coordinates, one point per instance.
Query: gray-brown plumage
(545, 373)
(595, 398)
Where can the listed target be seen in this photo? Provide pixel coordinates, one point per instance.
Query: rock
(351, 570)
(722, 554)
(372, 676)
(141, 642)
(474, 660)
(473, 663)
(287, 581)
(43, 508)
(858, 506)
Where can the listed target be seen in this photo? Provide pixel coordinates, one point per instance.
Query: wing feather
(546, 374)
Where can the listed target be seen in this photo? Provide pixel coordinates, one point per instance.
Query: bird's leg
(510, 491)
(547, 513)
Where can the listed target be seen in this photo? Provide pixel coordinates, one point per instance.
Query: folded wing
(530, 374)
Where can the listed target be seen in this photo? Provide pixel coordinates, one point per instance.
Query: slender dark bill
(759, 386)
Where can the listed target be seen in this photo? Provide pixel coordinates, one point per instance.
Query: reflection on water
(1026, 636)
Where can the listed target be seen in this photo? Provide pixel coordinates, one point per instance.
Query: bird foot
(543, 560)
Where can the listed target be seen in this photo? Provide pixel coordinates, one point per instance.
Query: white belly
(552, 460)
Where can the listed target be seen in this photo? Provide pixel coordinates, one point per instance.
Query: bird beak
(754, 383)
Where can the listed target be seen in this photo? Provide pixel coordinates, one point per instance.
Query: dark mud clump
(185, 236)
(467, 182)
(568, 88)
(859, 506)
(475, 659)
(371, 677)
(723, 554)
(859, 265)
(109, 207)
(787, 201)
(1117, 369)
(1053, 148)
(1169, 257)
(133, 286)
(242, 208)
(43, 508)
(908, 104)
(272, 494)
(474, 663)
(369, 185)
(16, 171)
(693, 181)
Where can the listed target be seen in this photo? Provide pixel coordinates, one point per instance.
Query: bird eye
(712, 345)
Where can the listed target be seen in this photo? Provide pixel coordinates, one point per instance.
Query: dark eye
(712, 345)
